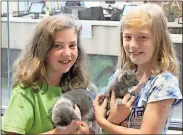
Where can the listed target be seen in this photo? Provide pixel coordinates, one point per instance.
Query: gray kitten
(64, 109)
(122, 81)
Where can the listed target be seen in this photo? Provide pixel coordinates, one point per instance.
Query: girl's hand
(74, 126)
(100, 110)
(69, 129)
(121, 112)
(83, 129)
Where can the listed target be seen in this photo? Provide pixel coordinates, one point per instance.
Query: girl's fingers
(104, 104)
(97, 99)
(113, 97)
(75, 123)
(130, 102)
(73, 126)
(126, 98)
(99, 96)
(83, 124)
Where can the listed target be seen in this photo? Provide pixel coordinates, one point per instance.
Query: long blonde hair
(153, 17)
(29, 69)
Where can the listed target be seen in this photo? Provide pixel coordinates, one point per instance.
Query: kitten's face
(127, 77)
(63, 115)
(125, 80)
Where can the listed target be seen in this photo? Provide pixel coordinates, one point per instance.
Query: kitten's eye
(125, 75)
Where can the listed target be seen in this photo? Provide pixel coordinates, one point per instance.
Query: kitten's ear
(125, 75)
(77, 111)
(75, 116)
(120, 78)
(55, 117)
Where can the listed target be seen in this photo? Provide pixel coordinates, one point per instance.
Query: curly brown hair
(29, 69)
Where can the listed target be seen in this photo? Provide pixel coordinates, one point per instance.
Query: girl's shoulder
(163, 78)
(160, 87)
(27, 91)
(35, 91)
(20, 88)
(167, 75)
(162, 82)
(163, 86)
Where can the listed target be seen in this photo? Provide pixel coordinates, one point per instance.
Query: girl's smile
(64, 62)
(64, 53)
(134, 54)
(138, 43)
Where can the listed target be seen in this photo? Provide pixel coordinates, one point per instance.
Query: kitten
(64, 109)
(122, 81)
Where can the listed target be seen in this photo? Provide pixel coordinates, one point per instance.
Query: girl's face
(139, 45)
(64, 52)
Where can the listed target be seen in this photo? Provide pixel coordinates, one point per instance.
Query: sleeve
(18, 117)
(166, 87)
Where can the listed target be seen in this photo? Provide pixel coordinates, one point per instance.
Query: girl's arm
(10, 133)
(153, 122)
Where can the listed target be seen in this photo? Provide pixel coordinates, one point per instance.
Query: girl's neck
(53, 80)
(143, 74)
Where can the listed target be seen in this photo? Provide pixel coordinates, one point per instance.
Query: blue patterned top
(158, 87)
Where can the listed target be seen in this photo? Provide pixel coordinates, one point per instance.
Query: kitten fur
(122, 81)
(64, 109)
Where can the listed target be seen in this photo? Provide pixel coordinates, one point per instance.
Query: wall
(13, 6)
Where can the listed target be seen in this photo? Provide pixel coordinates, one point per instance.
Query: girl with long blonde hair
(147, 49)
